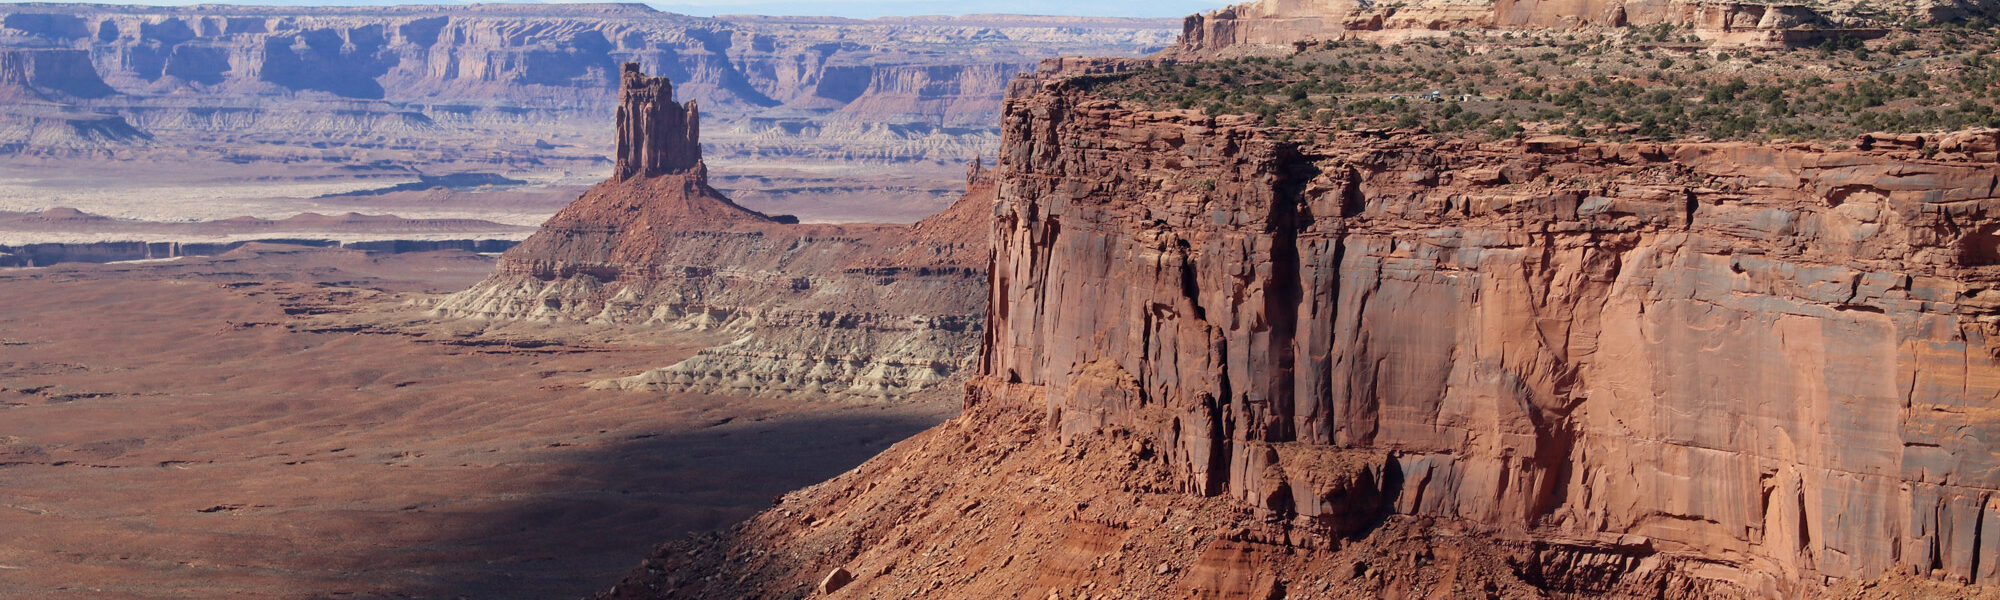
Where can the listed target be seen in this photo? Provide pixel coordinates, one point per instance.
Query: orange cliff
(1221, 364)
(1772, 365)
(839, 311)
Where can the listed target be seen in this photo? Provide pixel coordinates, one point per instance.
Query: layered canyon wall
(1228, 359)
(841, 311)
(40, 87)
(1776, 361)
(361, 75)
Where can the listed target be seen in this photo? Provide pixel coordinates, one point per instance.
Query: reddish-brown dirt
(992, 504)
(277, 424)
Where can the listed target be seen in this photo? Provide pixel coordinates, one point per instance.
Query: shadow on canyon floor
(220, 428)
(618, 502)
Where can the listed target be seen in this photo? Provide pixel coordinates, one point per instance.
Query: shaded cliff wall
(1777, 360)
(49, 74)
(38, 86)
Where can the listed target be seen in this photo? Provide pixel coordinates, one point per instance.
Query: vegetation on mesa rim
(1651, 82)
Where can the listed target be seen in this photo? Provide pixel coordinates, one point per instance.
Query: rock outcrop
(656, 135)
(1389, 364)
(1779, 360)
(842, 311)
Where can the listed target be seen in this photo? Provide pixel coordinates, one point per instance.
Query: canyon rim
(1348, 348)
(1294, 299)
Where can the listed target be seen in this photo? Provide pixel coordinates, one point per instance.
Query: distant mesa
(39, 86)
(444, 84)
(49, 75)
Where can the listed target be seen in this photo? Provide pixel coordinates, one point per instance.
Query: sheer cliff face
(39, 87)
(837, 311)
(1776, 360)
(550, 56)
(454, 82)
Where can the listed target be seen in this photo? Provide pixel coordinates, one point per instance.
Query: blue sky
(839, 8)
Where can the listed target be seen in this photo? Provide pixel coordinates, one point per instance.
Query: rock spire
(656, 135)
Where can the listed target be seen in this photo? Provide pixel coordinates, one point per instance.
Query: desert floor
(287, 423)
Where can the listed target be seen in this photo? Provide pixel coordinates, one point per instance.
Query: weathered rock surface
(48, 75)
(38, 86)
(1777, 360)
(1221, 364)
(356, 75)
(656, 135)
(864, 311)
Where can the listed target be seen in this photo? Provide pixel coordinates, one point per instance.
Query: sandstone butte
(838, 311)
(1218, 363)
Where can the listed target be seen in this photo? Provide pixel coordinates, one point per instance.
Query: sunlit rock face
(841, 311)
(1777, 360)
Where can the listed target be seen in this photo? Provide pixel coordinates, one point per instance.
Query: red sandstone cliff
(1777, 361)
(1221, 364)
(866, 311)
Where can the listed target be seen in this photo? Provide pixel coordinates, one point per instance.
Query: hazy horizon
(860, 9)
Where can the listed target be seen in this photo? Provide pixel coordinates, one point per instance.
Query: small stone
(838, 578)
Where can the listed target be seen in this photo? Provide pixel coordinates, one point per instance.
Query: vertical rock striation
(38, 86)
(1220, 362)
(1776, 361)
(838, 311)
(656, 135)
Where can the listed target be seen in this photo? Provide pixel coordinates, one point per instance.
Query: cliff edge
(1264, 25)
(1230, 360)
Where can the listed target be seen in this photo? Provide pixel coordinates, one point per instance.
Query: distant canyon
(215, 112)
